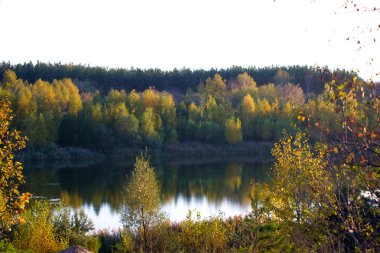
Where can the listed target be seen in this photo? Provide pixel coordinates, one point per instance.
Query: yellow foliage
(151, 99)
(216, 87)
(233, 131)
(12, 202)
(193, 112)
(266, 106)
(246, 81)
(134, 101)
(38, 233)
(301, 180)
(248, 108)
(45, 95)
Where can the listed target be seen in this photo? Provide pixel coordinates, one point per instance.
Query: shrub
(37, 233)
(9, 248)
(202, 235)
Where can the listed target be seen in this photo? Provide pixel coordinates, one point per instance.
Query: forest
(221, 110)
(178, 80)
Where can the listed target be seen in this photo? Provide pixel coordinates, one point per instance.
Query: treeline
(217, 112)
(311, 79)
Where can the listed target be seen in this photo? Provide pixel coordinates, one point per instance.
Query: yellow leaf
(21, 220)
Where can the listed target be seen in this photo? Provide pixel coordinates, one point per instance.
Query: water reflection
(206, 187)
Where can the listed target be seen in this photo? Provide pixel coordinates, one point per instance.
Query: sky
(169, 34)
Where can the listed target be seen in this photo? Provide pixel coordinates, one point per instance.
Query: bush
(109, 240)
(127, 243)
(9, 248)
(202, 235)
(75, 227)
(91, 243)
(37, 233)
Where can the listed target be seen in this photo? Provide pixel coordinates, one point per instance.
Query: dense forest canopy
(214, 108)
(311, 79)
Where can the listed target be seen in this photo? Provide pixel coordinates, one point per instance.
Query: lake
(206, 186)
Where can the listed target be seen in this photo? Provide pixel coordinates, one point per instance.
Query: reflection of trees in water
(95, 185)
(214, 181)
(233, 176)
(103, 183)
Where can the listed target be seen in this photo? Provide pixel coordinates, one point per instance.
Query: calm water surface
(208, 187)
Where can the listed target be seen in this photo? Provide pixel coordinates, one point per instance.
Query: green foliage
(193, 112)
(282, 76)
(202, 235)
(111, 241)
(57, 113)
(116, 97)
(106, 78)
(49, 229)
(300, 179)
(9, 77)
(246, 235)
(216, 87)
(233, 131)
(37, 233)
(128, 128)
(68, 225)
(245, 81)
(151, 125)
(142, 200)
(126, 245)
(9, 248)
(354, 144)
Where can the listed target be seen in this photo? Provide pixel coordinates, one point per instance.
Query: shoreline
(248, 151)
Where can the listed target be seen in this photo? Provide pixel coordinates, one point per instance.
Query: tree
(151, 99)
(45, 96)
(248, 108)
(142, 199)
(264, 107)
(267, 91)
(233, 131)
(301, 184)
(9, 77)
(167, 110)
(281, 77)
(290, 93)
(216, 87)
(151, 126)
(116, 96)
(354, 141)
(193, 112)
(245, 81)
(299, 177)
(12, 201)
(38, 233)
(134, 102)
(127, 127)
(75, 102)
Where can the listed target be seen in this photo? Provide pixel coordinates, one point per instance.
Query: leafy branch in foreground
(12, 201)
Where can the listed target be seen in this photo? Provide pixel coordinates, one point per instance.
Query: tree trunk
(144, 229)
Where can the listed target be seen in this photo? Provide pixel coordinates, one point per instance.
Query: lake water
(207, 187)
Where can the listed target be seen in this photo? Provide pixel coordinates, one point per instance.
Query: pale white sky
(189, 33)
